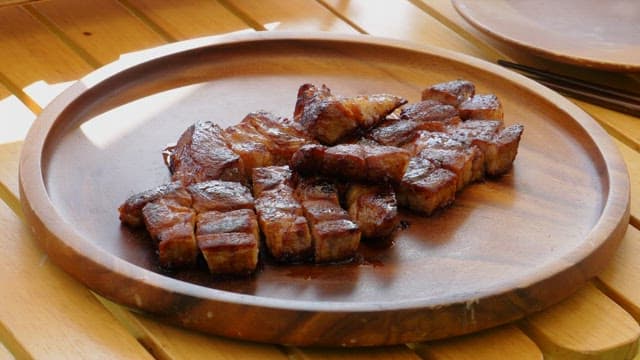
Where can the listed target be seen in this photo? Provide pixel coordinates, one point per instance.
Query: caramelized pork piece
(202, 154)
(220, 195)
(433, 115)
(482, 107)
(280, 215)
(229, 241)
(285, 136)
(401, 126)
(452, 92)
(353, 162)
(374, 209)
(465, 160)
(335, 236)
(171, 225)
(271, 177)
(498, 145)
(330, 119)
(253, 147)
(131, 210)
(426, 187)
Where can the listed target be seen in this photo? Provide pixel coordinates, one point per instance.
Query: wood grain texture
(328, 320)
(91, 27)
(31, 53)
(596, 328)
(169, 342)
(500, 343)
(591, 34)
(402, 20)
(9, 158)
(185, 19)
(380, 353)
(31, 281)
(632, 159)
(621, 279)
(294, 15)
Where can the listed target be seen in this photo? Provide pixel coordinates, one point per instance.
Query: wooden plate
(506, 248)
(593, 33)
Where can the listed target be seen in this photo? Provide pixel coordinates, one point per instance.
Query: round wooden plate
(592, 33)
(506, 248)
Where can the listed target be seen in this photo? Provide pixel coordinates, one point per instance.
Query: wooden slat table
(44, 313)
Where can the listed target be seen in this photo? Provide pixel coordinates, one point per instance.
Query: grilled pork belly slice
(465, 160)
(451, 92)
(482, 107)
(229, 241)
(285, 136)
(280, 214)
(374, 209)
(426, 187)
(202, 154)
(433, 115)
(131, 210)
(330, 119)
(400, 127)
(353, 162)
(234, 221)
(498, 145)
(253, 147)
(229, 253)
(335, 236)
(171, 225)
(220, 195)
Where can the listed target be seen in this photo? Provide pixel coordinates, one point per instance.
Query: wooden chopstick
(608, 97)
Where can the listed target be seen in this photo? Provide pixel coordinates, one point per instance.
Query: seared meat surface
(172, 225)
(280, 215)
(202, 154)
(451, 92)
(131, 210)
(354, 162)
(329, 118)
(229, 241)
(482, 107)
(335, 236)
(374, 209)
(220, 195)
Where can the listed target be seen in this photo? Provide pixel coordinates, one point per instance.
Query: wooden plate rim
(596, 62)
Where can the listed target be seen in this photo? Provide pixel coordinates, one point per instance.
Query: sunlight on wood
(102, 130)
(18, 116)
(43, 93)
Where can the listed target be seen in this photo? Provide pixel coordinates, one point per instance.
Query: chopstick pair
(608, 97)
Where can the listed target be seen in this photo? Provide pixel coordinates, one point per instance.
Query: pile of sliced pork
(311, 187)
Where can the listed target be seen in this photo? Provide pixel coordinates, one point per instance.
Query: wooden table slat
(621, 279)
(37, 293)
(31, 53)
(402, 20)
(292, 15)
(379, 353)
(499, 343)
(186, 19)
(586, 324)
(95, 34)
